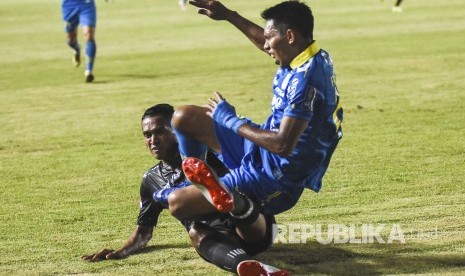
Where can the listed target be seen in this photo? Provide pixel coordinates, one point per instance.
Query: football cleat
(204, 178)
(89, 76)
(396, 9)
(256, 268)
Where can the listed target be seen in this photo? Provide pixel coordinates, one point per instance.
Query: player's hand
(104, 254)
(211, 8)
(223, 113)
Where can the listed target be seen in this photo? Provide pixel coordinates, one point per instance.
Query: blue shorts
(84, 14)
(249, 177)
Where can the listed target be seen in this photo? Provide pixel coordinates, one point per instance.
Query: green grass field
(72, 155)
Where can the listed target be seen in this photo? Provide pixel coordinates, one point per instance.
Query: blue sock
(190, 148)
(91, 49)
(74, 46)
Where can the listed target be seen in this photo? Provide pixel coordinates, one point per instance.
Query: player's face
(159, 138)
(276, 44)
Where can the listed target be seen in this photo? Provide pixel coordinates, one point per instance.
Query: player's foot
(183, 4)
(76, 59)
(396, 9)
(201, 175)
(255, 268)
(89, 76)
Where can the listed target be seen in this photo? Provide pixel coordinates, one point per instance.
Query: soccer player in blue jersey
(84, 13)
(270, 164)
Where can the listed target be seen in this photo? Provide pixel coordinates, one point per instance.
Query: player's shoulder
(153, 171)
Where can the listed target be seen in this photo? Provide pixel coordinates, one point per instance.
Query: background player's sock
(222, 253)
(245, 210)
(91, 50)
(190, 148)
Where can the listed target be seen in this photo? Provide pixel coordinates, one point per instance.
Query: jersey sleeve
(149, 210)
(301, 97)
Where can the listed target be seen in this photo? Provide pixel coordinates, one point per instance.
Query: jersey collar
(305, 55)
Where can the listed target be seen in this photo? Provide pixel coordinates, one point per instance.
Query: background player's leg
(397, 7)
(71, 40)
(91, 50)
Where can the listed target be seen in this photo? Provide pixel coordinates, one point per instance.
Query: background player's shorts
(84, 14)
(249, 177)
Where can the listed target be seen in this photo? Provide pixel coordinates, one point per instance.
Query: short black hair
(292, 14)
(163, 109)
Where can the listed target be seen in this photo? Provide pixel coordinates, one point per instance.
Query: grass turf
(72, 156)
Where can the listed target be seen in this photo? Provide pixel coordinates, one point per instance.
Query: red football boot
(204, 178)
(256, 268)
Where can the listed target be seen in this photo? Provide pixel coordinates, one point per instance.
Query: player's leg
(91, 50)
(88, 21)
(189, 203)
(397, 7)
(217, 243)
(71, 40)
(71, 22)
(194, 131)
(245, 213)
(220, 248)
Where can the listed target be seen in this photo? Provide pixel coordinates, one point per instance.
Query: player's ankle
(245, 211)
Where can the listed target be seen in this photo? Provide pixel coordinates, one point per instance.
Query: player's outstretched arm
(217, 11)
(137, 241)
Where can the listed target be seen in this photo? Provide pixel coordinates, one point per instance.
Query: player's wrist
(225, 115)
(236, 123)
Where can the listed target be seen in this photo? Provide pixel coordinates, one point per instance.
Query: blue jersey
(306, 90)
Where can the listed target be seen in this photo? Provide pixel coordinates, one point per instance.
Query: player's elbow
(284, 148)
(284, 151)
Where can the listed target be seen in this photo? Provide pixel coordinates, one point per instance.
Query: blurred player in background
(84, 13)
(215, 237)
(397, 7)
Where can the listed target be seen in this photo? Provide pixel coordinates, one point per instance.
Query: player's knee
(88, 33)
(195, 236)
(180, 117)
(175, 205)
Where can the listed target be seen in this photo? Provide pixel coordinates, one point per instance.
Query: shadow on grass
(316, 258)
